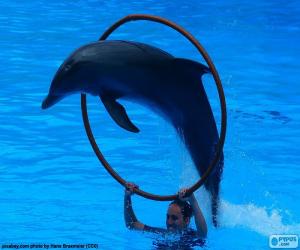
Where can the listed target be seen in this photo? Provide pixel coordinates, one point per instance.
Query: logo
(283, 241)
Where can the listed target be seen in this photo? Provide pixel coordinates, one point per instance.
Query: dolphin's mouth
(50, 100)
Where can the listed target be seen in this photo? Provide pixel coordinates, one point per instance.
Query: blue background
(52, 187)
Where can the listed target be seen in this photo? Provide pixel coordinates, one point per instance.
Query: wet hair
(185, 208)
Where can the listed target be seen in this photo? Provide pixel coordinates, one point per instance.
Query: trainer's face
(175, 221)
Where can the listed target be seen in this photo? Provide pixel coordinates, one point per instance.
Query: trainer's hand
(130, 186)
(182, 195)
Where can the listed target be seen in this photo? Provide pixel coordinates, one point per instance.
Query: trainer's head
(178, 215)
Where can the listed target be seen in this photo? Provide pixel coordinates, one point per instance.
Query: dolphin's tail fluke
(213, 185)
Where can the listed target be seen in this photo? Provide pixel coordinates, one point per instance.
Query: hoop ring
(216, 77)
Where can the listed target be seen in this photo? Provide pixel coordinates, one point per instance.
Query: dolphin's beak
(50, 100)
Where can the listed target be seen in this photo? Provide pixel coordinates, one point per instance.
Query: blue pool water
(52, 187)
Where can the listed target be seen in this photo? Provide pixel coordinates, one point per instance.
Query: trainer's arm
(199, 218)
(129, 216)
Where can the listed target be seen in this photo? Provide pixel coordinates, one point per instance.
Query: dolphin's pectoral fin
(192, 66)
(118, 114)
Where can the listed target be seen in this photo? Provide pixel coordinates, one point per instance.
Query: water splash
(255, 218)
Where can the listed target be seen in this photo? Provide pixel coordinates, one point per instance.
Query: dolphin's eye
(67, 67)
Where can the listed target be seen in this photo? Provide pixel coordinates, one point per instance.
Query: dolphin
(170, 86)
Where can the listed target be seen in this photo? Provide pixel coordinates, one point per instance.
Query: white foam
(255, 218)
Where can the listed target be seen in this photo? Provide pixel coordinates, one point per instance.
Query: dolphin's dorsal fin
(190, 65)
(118, 114)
